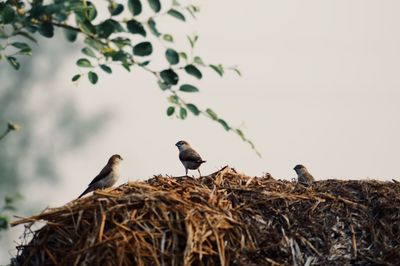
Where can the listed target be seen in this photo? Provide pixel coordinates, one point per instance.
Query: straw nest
(225, 218)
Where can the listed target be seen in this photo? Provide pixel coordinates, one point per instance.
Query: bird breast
(110, 179)
(191, 165)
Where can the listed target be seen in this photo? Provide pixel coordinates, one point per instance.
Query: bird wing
(190, 155)
(103, 173)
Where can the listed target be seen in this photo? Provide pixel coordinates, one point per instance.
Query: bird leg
(199, 172)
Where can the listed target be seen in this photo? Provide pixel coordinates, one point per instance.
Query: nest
(225, 218)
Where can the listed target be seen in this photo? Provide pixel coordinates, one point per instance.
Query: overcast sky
(319, 87)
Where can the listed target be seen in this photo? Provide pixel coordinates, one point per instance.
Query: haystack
(225, 218)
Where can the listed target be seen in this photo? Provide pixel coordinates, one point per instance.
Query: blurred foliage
(6, 208)
(53, 126)
(126, 34)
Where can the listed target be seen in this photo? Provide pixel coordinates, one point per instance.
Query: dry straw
(225, 218)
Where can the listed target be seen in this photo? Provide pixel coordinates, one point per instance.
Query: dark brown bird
(303, 176)
(189, 157)
(107, 177)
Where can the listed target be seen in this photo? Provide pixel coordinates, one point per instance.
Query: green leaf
(212, 114)
(192, 10)
(16, 127)
(176, 14)
(70, 35)
(224, 124)
(155, 5)
(136, 27)
(193, 108)
(93, 78)
(3, 222)
(173, 99)
(8, 200)
(237, 71)
(20, 45)
(115, 9)
(127, 66)
(194, 71)
(94, 44)
(172, 56)
(188, 88)
(90, 11)
(163, 85)
(25, 51)
(218, 68)
(117, 26)
(168, 38)
(117, 55)
(145, 63)
(170, 110)
(240, 133)
(37, 10)
(108, 27)
(106, 69)
(135, 7)
(7, 14)
(182, 113)
(169, 76)
(143, 49)
(121, 42)
(46, 29)
(13, 62)
(183, 55)
(76, 77)
(193, 40)
(89, 52)
(27, 35)
(153, 27)
(83, 62)
(198, 61)
(87, 27)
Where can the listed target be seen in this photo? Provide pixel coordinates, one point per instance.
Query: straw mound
(222, 219)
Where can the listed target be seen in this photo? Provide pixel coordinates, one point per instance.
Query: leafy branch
(125, 38)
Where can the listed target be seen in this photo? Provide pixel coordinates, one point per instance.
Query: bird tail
(89, 189)
(203, 161)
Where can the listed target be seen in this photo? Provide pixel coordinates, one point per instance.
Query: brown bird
(189, 157)
(107, 177)
(303, 176)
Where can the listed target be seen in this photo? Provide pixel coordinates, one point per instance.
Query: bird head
(116, 158)
(182, 145)
(300, 169)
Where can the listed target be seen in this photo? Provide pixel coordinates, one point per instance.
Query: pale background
(319, 87)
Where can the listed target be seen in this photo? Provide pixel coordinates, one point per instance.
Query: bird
(303, 176)
(189, 157)
(107, 177)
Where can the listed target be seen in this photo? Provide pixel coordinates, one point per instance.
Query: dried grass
(222, 219)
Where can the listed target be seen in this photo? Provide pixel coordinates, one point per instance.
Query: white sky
(319, 87)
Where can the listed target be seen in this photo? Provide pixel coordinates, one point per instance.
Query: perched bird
(107, 177)
(303, 176)
(189, 157)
